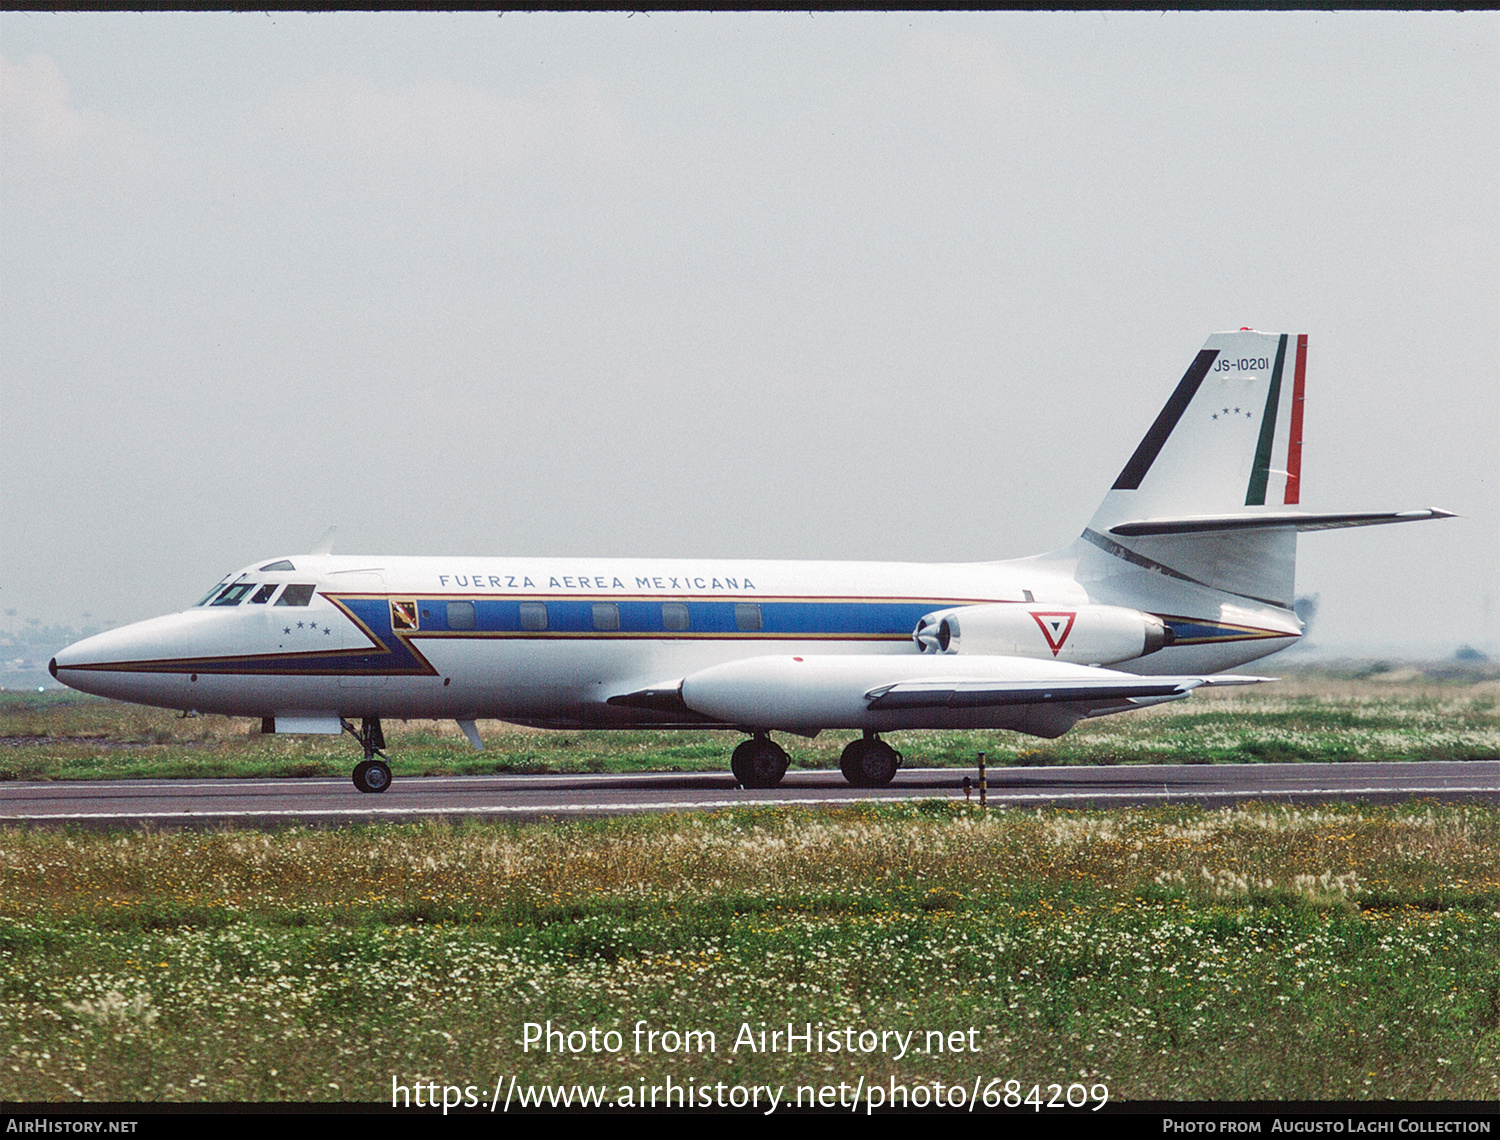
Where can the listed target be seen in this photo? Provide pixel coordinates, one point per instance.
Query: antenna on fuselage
(325, 544)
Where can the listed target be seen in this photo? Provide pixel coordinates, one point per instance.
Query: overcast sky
(904, 287)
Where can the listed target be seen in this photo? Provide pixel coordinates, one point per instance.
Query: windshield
(217, 586)
(232, 594)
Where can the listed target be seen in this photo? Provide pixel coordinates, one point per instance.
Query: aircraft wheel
(373, 776)
(851, 759)
(869, 763)
(759, 763)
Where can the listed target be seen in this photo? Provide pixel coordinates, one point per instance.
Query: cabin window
(233, 593)
(460, 615)
(282, 565)
(674, 616)
(263, 595)
(533, 616)
(606, 616)
(296, 595)
(747, 616)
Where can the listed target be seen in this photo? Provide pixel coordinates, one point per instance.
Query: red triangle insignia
(1055, 627)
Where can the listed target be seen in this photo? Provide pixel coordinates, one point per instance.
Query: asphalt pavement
(326, 800)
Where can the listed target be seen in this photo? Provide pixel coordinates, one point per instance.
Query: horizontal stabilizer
(1206, 524)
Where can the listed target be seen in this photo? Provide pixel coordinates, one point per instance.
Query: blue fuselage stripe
(780, 619)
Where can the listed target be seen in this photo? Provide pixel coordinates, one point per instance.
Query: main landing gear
(759, 762)
(869, 763)
(372, 774)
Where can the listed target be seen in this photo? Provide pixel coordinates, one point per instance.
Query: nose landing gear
(372, 774)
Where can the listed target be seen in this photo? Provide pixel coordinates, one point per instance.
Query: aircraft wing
(1100, 691)
(808, 693)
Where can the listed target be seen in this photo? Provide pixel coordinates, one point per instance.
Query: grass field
(1310, 715)
(1348, 952)
(1273, 953)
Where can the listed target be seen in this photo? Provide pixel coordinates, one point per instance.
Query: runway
(325, 800)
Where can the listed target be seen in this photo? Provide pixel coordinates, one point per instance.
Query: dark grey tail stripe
(1150, 447)
(1110, 546)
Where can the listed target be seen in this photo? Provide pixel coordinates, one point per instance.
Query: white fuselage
(549, 641)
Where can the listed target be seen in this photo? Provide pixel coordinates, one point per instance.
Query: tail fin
(1206, 497)
(1228, 445)
(1229, 439)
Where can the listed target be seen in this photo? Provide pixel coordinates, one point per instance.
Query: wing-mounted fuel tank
(1085, 635)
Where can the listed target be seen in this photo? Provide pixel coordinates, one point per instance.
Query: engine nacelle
(1087, 635)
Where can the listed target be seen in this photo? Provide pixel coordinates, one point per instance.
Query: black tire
(881, 763)
(869, 763)
(759, 763)
(372, 776)
(850, 761)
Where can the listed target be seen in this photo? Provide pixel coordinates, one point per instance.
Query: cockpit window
(231, 594)
(282, 565)
(296, 595)
(213, 593)
(263, 595)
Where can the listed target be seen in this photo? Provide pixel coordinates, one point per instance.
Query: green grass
(1259, 953)
(1310, 716)
(1175, 953)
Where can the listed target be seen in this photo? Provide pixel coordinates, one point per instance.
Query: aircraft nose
(90, 651)
(74, 665)
(140, 642)
(133, 663)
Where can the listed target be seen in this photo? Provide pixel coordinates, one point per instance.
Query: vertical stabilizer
(1228, 440)
(1227, 444)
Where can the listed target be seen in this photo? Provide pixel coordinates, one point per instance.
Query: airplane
(1186, 569)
